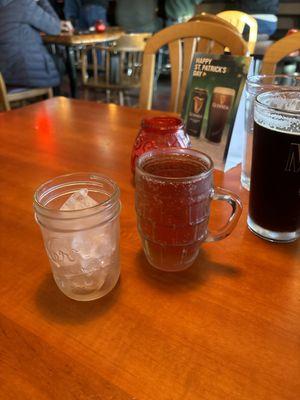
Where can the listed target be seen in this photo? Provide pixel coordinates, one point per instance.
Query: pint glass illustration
(221, 104)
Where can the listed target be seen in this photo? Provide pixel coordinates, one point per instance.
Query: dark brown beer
(196, 112)
(275, 180)
(220, 108)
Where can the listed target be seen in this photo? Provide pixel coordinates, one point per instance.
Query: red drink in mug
(174, 189)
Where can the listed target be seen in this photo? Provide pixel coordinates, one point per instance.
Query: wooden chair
(9, 95)
(240, 19)
(123, 62)
(212, 18)
(279, 50)
(183, 40)
(201, 47)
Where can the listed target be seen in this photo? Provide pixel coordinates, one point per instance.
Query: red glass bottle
(159, 132)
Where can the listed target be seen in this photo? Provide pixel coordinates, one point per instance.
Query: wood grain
(227, 328)
(278, 50)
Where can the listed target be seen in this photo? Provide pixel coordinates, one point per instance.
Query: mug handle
(236, 204)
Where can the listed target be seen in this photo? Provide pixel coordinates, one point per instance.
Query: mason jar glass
(81, 240)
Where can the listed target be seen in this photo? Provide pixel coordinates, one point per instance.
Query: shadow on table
(54, 305)
(199, 273)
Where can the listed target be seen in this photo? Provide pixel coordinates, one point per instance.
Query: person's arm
(37, 16)
(46, 6)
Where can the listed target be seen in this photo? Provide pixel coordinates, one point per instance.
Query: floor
(160, 95)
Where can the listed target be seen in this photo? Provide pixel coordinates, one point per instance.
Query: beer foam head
(279, 110)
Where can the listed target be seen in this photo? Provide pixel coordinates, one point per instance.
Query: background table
(77, 41)
(227, 328)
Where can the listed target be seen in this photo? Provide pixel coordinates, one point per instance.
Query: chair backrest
(4, 103)
(129, 49)
(131, 42)
(278, 50)
(183, 40)
(8, 96)
(211, 18)
(240, 19)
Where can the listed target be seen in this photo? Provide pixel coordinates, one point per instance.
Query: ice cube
(94, 244)
(78, 201)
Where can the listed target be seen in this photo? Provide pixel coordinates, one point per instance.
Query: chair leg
(3, 95)
(121, 97)
(86, 94)
(158, 69)
(128, 100)
(107, 96)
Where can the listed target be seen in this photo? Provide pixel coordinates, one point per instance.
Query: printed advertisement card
(211, 102)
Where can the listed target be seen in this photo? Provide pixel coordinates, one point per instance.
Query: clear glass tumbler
(274, 203)
(82, 244)
(254, 85)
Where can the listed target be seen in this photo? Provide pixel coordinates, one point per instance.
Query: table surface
(227, 328)
(66, 39)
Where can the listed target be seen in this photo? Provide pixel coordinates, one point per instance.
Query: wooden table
(227, 328)
(75, 41)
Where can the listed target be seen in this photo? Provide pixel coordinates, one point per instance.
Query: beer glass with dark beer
(274, 206)
(257, 84)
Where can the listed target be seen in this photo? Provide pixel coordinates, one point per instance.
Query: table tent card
(211, 103)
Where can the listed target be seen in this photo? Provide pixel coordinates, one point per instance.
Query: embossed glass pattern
(82, 245)
(174, 189)
(159, 132)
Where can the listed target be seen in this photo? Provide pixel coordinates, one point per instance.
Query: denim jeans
(268, 27)
(90, 14)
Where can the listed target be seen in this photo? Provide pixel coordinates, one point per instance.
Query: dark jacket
(176, 9)
(137, 15)
(24, 60)
(255, 6)
(103, 3)
(72, 9)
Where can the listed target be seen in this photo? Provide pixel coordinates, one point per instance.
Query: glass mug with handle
(174, 189)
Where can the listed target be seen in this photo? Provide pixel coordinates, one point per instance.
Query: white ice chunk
(97, 243)
(78, 201)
